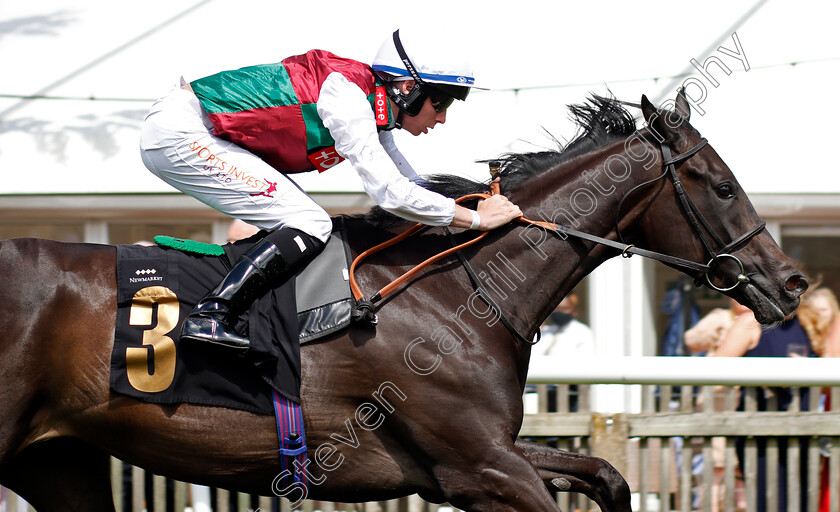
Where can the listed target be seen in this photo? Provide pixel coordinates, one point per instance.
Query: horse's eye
(725, 190)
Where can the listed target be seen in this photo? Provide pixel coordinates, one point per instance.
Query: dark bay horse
(427, 401)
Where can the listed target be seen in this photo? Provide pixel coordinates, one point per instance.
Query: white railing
(694, 371)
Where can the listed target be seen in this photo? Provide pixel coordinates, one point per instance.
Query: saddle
(323, 296)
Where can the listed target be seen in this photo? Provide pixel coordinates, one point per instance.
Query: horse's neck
(528, 270)
(585, 197)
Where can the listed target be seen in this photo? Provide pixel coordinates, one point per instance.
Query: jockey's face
(426, 119)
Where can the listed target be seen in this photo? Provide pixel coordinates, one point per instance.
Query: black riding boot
(271, 261)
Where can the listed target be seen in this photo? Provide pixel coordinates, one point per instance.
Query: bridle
(701, 227)
(695, 219)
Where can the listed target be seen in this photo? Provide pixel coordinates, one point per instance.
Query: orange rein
(390, 287)
(354, 287)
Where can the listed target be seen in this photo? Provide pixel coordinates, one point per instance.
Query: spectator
(746, 339)
(563, 334)
(707, 334)
(820, 316)
(682, 313)
(735, 326)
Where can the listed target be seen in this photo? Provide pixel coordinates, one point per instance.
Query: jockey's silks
(271, 109)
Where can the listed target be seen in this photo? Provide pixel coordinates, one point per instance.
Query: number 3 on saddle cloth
(158, 286)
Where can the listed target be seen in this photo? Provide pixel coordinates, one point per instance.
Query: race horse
(429, 399)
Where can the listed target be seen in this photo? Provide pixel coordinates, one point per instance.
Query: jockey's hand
(496, 211)
(493, 212)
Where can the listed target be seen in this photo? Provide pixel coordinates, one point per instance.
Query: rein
(365, 307)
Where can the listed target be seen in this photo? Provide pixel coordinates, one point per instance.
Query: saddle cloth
(158, 286)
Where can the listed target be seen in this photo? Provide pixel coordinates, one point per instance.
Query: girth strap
(486, 297)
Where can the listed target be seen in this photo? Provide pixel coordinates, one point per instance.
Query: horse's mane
(600, 121)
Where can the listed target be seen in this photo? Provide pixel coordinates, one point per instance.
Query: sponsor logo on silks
(380, 106)
(145, 275)
(272, 188)
(325, 158)
(225, 172)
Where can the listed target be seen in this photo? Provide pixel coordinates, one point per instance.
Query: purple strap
(292, 439)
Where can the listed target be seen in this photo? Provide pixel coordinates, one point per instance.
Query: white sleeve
(347, 114)
(386, 138)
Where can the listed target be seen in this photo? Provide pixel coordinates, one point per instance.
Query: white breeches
(177, 145)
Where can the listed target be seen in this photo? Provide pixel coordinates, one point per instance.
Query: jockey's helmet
(438, 73)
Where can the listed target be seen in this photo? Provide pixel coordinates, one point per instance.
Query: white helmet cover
(436, 72)
(434, 62)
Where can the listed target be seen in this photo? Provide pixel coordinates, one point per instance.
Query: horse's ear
(656, 120)
(648, 110)
(682, 106)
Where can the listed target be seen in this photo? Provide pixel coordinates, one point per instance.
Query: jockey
(229, 140)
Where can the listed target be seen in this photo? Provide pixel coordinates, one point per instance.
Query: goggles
(443, 96)
(441, 102)
(413, 102)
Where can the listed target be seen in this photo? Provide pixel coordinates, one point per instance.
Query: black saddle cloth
(157, 288)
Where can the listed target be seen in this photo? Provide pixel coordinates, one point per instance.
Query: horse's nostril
(796, 283)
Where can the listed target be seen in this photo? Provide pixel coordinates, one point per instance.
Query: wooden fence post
(609, 439)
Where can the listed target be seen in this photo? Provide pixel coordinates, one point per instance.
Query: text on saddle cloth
(157, 288)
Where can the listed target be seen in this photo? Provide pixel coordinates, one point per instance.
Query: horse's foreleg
(61, 475)
(500, 480)
(574, 472)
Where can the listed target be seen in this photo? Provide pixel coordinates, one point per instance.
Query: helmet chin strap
(398, 120)
(400, 99)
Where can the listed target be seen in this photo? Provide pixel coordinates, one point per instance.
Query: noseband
(698, 223)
